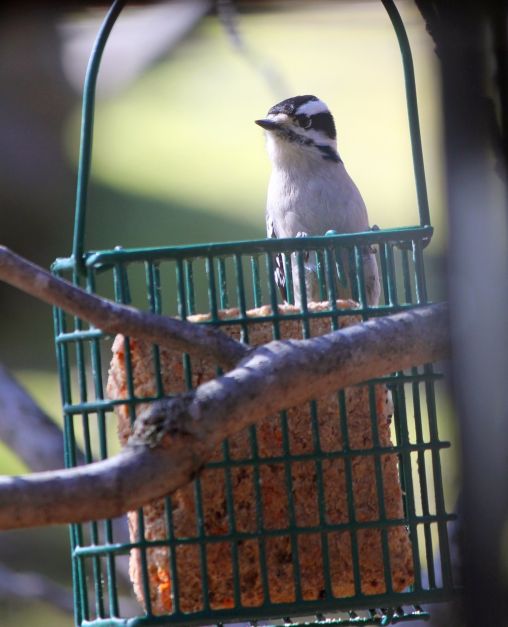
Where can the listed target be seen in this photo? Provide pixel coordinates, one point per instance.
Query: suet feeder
(323, 515)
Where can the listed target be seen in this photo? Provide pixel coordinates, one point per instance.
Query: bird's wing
(278, 260)
(371, 276)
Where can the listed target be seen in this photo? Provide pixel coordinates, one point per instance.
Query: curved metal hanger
(85, 150)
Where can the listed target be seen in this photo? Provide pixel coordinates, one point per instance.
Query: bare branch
(202, 340)
(265, 68)
(26, 428)
(30, 586)
(174, 438)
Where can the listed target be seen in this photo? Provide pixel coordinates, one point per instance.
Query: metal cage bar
(412, 110)
(85, 148)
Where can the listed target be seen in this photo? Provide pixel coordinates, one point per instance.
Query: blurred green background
(178, 159)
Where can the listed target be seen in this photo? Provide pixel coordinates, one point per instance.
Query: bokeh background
(177, 158)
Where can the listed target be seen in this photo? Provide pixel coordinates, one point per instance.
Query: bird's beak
(268, 125)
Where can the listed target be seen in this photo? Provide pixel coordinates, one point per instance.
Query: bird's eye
(304, 121)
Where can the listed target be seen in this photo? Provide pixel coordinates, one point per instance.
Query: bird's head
(300, 128)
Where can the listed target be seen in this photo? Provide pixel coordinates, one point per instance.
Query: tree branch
(27, 429)
(174, 438)
(30, 586)
(202, 340)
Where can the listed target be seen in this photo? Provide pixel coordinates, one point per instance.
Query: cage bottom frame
(350, 618)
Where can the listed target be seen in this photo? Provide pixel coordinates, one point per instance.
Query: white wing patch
(278, 260)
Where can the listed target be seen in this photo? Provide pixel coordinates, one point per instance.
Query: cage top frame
(78, 256)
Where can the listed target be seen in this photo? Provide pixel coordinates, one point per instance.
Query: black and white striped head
(303, 124)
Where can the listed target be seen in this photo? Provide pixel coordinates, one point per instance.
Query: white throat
(286, 154)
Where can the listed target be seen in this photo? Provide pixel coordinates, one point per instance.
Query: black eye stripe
(323, 122)
(319, 121)
(303, 120)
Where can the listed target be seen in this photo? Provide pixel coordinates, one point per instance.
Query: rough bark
(174, 438)
(114, 318)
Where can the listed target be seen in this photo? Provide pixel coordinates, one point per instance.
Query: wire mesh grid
(315, 544)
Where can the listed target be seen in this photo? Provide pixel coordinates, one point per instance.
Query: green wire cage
(185, 280)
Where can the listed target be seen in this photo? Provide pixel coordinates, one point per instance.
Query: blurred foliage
(40, 614)
(36, 550)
